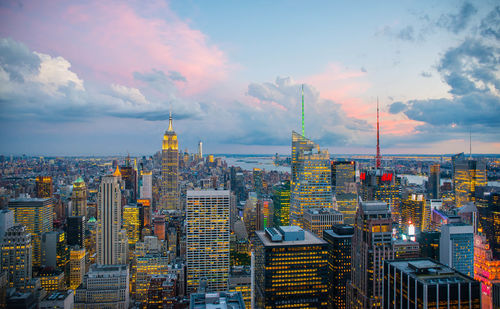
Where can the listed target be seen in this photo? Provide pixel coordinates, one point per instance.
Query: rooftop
(309, 239)
(219, 300)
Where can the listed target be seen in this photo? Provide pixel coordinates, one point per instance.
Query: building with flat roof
(456, 247)
(16, 256)
(218, 300)
(317, 220)
(58, 300)
(291, 269)
(424, 283)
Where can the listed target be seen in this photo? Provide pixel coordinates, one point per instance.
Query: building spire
(170, 126)
(303, 131)
(378, 157)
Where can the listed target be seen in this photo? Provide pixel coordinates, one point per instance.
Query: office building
(55, 251)
(250, 215)
(347, 204)
(75, 231)
(488, 206)
(232, 300)
(104, 286)
(145, 267)
(281, 202)
(207, 239)
(430, 205)
(429, 244)
(405, 249)
(36, 214)
(131, 223)
(316, 220)
(162, 291)
(58, 300)
(51, 279)
(467, 175)
(372, 245)
(159, 226)
(343, 176)
(381, 185)
(456, 247)
(434, 183)
(424, 283)
(339, 241)
(413, 211)
(291, 269)
(146, 187)
(17, 256)
(6, 222)
(76, 267)
(79, 198)
(44, 187)
(109, 220)
(240, 280)
(311, 178)
(170, 169)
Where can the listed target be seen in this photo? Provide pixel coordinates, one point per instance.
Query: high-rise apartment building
(109, 221)
(311, 178)
(434, 181)
(44, 187)
(104, 286)
(339, 241)
(467, 175)
(79, 198)
(372, 245)
(281, 203)
(37, 215)
(424, 283)
(291, 269)
(456, 247)
(316, 220)
(16, 256)
(343, 176)
(207, 239)
(170, 169)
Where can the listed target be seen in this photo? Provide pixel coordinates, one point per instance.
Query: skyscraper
(316, 220)
(109, 220)
(207, 239)
(311, 178)
(281, 202)
(371, 246)
(381, 185)
(434, 181)
(131, 223)
(76, 267)
(36, 214)
(467, 175)
(456, 247)
(79, 198)
(44, 187)
(413, 211)
(76, 231)
(16, 256)
(146, 189)
(343, 174)
(55, 253)
(200, 150)
(170, 169)
(291, 269)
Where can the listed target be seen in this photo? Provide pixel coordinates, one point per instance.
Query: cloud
(406, 34)
(490, 25)
(17, 60)
(176, 76)
(397, 107)
(426, 74)
(457, 22)
(133, 95)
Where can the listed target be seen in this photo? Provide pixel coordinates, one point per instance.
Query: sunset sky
(100, 77)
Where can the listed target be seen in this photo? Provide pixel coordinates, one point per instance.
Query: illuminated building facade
(147, 266)
(207, 239)
(159, 226)
(109, 220)
(16, 256)
(372, 244)
(311, 178)
(265, 213)
(170, 169)
(339, 241)
(250, 214)
(343, 174)
(456, 247)
(146, 188)
(429, 244)
(241, 282)
(44, 187)
(55, 252)
(434, 181)
(131, 223)
(423, 283)
(79, 198)
(36, 214)
(75, 231)
(316, 220)
(467, 175)
(51, 279)
(347, 204)
(76, 267)
(381, 185)
(412, 211)
(486, 269)
(405, 249)
(281, 202)
(104, 286)
(162, 291)
(291, 269)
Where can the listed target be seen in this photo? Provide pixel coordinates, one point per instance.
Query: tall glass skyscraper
(311, 185)
(467, 175)
(170, 169)
(456, 247)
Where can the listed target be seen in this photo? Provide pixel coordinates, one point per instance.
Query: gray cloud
(397, 107)
(457, 22)
(426, 74)
(17, 60)
(406, 34)
(490, 25)
(176, 76)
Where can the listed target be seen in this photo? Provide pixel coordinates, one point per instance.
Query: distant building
(146, 188)
(423, 283)
(281, 202)
(412, 211)
(37, 215)
(317, 220)
(434, 181)
(221, 300)
(79, 198)
(162, 291)
(339, 241)
(405, 249)
(467, 175)
(17, 256)
(207, 239)
(104, 286)
(170, 169)
(456, 247)
(131, 223)
(286, 257)
(381, 185)
(347, 204)
(44, 187)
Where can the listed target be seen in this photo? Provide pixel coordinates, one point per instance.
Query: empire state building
(170, 169)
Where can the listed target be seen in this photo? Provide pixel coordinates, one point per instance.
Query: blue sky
(94, 78)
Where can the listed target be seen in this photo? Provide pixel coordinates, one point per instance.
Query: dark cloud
(16, 59)
(490, 25)
(457, 22)
(176, 76)
(406, 34)
(397, 107)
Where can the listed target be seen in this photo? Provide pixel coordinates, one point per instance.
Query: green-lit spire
(303, 131)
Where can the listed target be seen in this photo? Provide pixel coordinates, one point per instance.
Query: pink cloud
(108, 41)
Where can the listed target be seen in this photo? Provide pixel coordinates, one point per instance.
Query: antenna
(377, 157)
(303, 132)
(470, 143)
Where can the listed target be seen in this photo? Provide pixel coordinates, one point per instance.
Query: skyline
(88, 78)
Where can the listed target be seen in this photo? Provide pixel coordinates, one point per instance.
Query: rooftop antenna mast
(470, 143)
(378, 158)
(303, 131)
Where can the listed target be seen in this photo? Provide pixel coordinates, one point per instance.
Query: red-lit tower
(378, 157)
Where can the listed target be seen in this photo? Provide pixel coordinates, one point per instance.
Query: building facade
(170, 169)
(316, 220)
(456, 247)
(17, 256)
(79, 198)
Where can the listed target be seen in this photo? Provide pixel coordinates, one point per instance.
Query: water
(249, 163)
